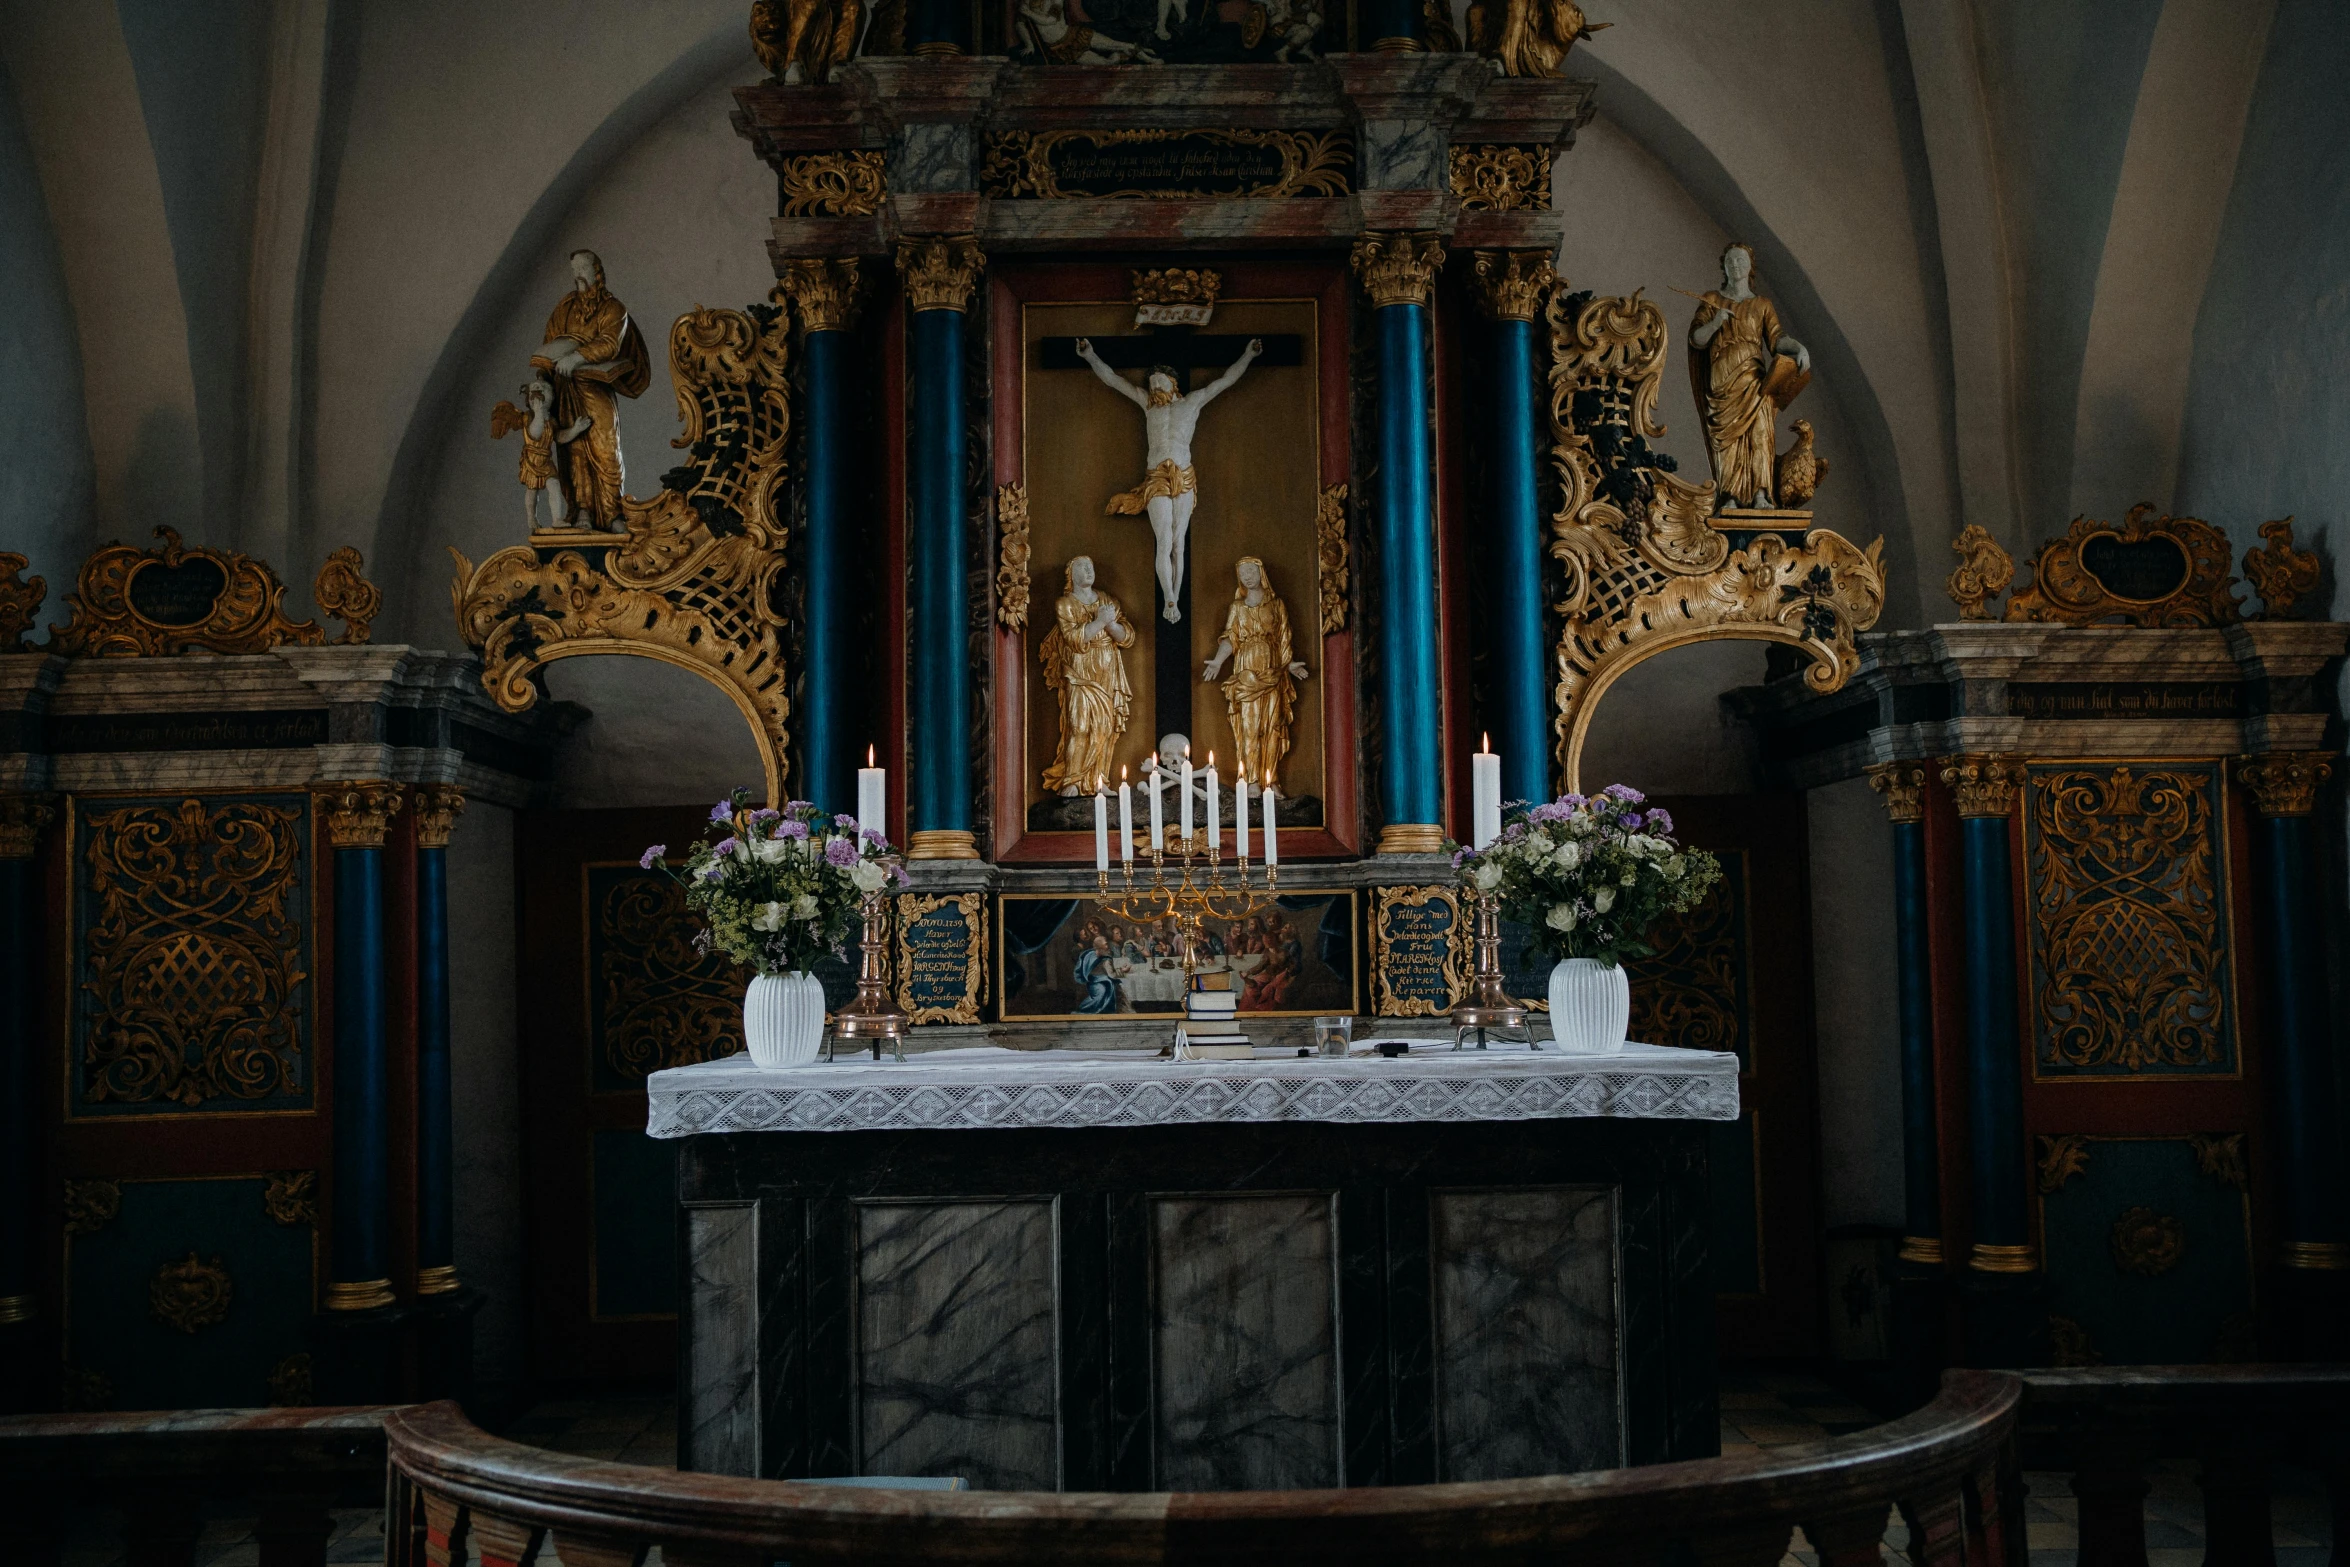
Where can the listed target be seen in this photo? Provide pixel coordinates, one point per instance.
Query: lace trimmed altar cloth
(993, 1088)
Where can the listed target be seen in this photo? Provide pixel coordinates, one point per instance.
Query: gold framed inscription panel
(1265, 453)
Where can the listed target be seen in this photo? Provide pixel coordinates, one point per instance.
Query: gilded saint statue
(595, 357)
(1744, 369)
(1261, 692)
(1086, 671)
(1170, 489)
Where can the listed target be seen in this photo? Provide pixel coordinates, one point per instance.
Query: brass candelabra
(1488, 1004)
(1196, 892)
(870, 1016)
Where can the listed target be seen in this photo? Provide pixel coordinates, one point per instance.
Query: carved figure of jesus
(1170, 490)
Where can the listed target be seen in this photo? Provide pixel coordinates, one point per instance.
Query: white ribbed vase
(1590, 1006)
(783, 1019)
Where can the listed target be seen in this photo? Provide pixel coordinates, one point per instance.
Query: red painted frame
(1014, 285)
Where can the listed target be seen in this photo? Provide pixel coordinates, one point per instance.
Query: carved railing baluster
(444, 1532)
(1987, 1537)
(2236, 1527)
(593, 1550)
(506, 1542)
(1849, 1539)
(1937, 1529)
(294, 1522)
(2111, 1488)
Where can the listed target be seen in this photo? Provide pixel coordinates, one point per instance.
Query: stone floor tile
(1780, 1435)
(2050, 1536)
(1748, 1400)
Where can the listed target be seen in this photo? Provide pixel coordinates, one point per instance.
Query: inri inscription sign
(1418, 947)
(942, 951)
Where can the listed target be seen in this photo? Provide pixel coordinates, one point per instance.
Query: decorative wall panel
(189, 1293)
(192, 956)
(654, 1000)
(1694, 993)
(958, 1295)
(2131, 961)
(2149, 1257)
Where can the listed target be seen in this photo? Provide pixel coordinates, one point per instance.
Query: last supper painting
(1174, 781)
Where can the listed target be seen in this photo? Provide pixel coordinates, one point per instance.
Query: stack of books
(1210, 1012)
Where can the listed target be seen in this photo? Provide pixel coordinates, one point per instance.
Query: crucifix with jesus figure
(1170, 485)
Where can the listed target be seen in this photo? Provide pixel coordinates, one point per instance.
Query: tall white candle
(1215, 810)
(1484, 796)
(1158, 794)
(872, 796)
(1240, 818)
(1101, 831)
(1125, 819)
(1183, 782)
(1272, 830)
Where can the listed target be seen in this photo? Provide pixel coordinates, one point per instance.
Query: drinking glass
(1332, 1035)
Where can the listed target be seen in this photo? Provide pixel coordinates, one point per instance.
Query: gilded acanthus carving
(1984, 570)
(1903, 784)
(23, 818)
(290, 1197)
(189, 1295)
(1528, 37)
(2061, 1158)
(359, 815)
(437, 807)
(833, 184)
(1011, 572)
(826, 293)
(347, 596)
(1511, 285)
(2151, 571)
(90, 1206)
(693, 581)
(1398, 269)
(134, 603)
(1497, 177)
(2285, 783)
(1984, 785)
(2279, 573)
(939, 274)
(1644, 569)
(1331, 547)
(20, 600)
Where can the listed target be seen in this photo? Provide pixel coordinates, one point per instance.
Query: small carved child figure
(540, 470)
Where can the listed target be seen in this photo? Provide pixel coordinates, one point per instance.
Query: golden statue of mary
(1261, 693)
(1085, 670)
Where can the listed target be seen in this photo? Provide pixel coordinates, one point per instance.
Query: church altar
(1096, 1270)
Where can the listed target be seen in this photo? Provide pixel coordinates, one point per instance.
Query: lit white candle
(1101, 830)
(1215, 808)
(872, 796)
(1240, 818)
(1125, 819)
(1484, 796)
(1183, 782)
(1272, 830)
(1158, 794)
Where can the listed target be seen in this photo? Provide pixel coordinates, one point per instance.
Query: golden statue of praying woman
(1744, 369)
(1085, 670)
(1261, 693)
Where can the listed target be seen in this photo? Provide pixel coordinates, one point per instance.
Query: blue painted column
(825, 295)
(437, 808)
(359, 1272)
(1903, 784)
(2314, 1231)
(939, 276)
(938, 29)
(1986, 787)
(1388, 27)
(1511, 287)
(22, 819)
(1399, 273)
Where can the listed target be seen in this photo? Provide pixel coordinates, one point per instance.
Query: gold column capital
(437, 807)
(1903, 784)
(1511, 285)
(825, 292)
(940, 273)
(23, 818)
(1985, 785)
(2285, 783)
(2003, 1259)
(1398, 269)
(359, 815)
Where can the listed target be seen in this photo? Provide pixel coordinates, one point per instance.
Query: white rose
(769, 917)
(1629, 877)
(1604, 899)
(1560, 917)
(803, 907)
(767, 851)
(1674, 867)
(1488, 877)
(1569, 856)
(868, 876)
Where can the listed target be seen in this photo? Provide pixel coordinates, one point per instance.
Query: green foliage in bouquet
(779, 888)
(1591, 876)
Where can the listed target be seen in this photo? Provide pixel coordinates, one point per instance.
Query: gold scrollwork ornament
(848, 184)
(1494, 177)
(1011, 572)
(90, 1206)
(20, 601)
(1983, 573)
(1019, 164)
(349, 597)
(190, 1294)
(2285, 783)
(2069, 589)
(290, 1382)
(1331, 551)
(2279, 573)
(216, 601)
(2147, 1243)
(1903, 784)
(23, 818)
(2220, 1156)
(914, 907)
(290, 1197)
(1386, 904)
(2062, 1158)
(359, 815)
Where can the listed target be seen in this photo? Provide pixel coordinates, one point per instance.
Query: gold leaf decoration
(1331, 548)
(1493, 177)
(290, 1382)
(2062, 1158)
(664, 1002)
(291, 1197)
(134, 603)
(833, 184)
(1983, 573)
(2069, 587)
(90, 1206)
(2068, 1344)
(2279, 573)
(1011, 572)
(190, 1294)
(1020, 164)
(2221, 1157)
(20, 601)
(346, 595)
(2147, 1243)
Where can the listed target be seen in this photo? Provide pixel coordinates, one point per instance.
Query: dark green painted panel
(635, 1217)
(653, 1000)
(2147, 1257)
(1737, 1242)
(122, 1355)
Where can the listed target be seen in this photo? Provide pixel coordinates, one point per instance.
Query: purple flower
(765, 813)
(841, 852)
(1660, 820)
(727, 846)
(723, 811)
(1631, 820)
(1573, 802)
(1625, 793)
(799, 807)
(899, 871)
(1555, 811)
(652, 856)
(714, 874)
(846, 823)
(873, 836)
(791, 830)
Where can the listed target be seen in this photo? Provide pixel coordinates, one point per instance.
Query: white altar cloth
(993, 1088)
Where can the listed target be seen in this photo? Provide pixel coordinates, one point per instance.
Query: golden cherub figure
(803, 41)
(1527, 37)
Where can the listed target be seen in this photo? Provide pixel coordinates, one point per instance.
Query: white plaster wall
(1856, 1005)
(1661, 728)
(486, 1085)
(46, 475)
(654, 735)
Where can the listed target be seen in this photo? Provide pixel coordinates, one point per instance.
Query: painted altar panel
(1064, 958)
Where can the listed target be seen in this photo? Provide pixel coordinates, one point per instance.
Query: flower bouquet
(777, 889)
(1589, 877)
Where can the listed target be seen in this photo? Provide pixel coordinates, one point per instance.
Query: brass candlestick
(871, 1016)
(1189, 899)
(1488, 1004)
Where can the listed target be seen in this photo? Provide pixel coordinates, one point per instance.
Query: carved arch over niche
(697, 578)
(1646, 568)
